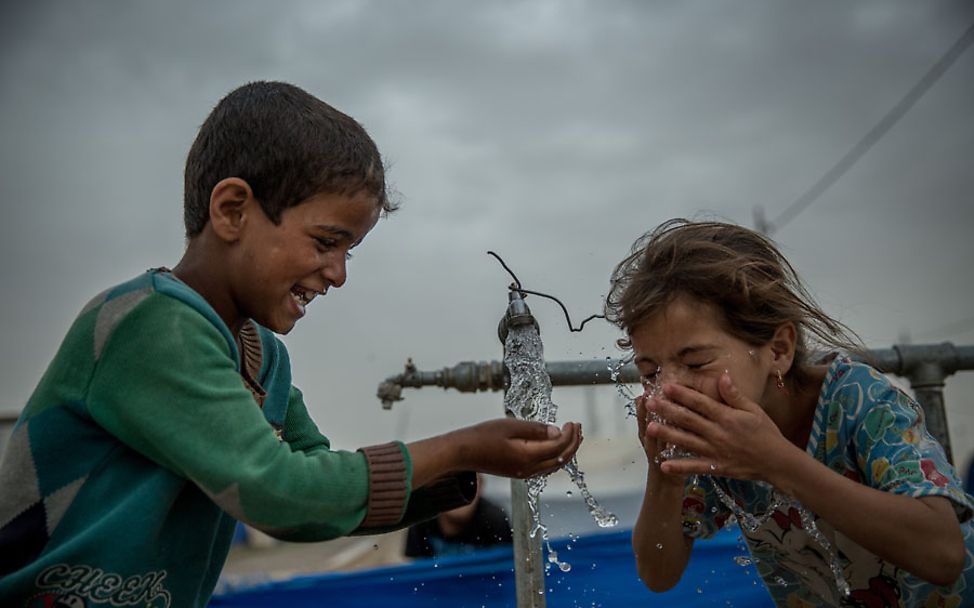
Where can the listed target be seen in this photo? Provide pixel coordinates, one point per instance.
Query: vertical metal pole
(927, 382)
(528, 569)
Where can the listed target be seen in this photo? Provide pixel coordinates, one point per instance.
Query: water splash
(782, 502)
(652, 387)
(628, 397)
(808, 522)
(529, 398)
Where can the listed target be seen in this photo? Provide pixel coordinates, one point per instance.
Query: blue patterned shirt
(870, 431)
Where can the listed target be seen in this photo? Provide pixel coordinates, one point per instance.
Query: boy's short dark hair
(287, 145)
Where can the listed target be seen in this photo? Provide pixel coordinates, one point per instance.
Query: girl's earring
(780, 382)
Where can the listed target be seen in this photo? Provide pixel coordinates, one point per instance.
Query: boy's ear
(227, 202)
(783, 345)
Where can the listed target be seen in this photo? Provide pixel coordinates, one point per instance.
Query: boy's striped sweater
(142, 445)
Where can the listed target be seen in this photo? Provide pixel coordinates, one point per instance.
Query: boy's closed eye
(324, 244)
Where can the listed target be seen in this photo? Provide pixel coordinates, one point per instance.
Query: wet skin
(686, 349)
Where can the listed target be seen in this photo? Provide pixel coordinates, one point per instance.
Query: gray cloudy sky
(551, 132)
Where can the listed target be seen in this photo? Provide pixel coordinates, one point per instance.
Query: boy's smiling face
(279, 269)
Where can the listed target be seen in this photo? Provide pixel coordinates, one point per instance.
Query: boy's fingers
(540, 431)
(550, 465)
(556, 456)
(545, 460)
(531, 430)
(571, 437)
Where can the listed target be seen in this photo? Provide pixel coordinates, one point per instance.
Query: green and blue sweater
(147, 439)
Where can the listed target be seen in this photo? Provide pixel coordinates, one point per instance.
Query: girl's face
(686, 343)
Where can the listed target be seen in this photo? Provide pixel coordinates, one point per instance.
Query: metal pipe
(528, 569)
(926, 366)
(478, 376)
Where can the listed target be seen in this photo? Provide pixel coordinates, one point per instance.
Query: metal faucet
(517, 314)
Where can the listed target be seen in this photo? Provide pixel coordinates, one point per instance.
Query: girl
(842, 494)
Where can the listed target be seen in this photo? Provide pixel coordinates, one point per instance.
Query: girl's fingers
(666, 433)
(732, 396)
(693, 400)
(641, 416)
(690, 466)
(680, 416)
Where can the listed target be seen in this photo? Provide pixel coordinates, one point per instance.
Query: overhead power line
(867, 142)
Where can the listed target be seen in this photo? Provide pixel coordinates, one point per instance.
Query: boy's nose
(335, 272)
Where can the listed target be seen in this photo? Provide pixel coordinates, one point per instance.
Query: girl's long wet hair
(736, 269)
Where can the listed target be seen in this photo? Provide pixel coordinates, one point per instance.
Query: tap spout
(517, 313)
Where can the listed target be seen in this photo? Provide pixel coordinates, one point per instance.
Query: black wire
(878, 131)
(517, 287)
(565, 310)
(509, 271)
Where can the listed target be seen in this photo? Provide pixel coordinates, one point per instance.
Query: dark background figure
(462, 530)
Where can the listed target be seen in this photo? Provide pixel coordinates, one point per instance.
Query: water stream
(529, 398)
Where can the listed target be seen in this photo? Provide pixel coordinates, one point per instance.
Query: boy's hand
(518, 448)
(505, 447)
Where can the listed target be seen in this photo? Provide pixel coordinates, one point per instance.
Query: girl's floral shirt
(868, 430)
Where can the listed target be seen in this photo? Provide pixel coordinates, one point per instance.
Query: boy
(168, 412)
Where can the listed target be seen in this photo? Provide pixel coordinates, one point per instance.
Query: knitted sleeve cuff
(387, 485)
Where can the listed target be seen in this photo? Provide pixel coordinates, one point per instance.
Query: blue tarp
(603, 574)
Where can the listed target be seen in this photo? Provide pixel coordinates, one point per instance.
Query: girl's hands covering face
(651, 445)
(734, 438)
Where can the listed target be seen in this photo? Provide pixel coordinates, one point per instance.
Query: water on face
(652, 387)
(749, 521)
(529, 398)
